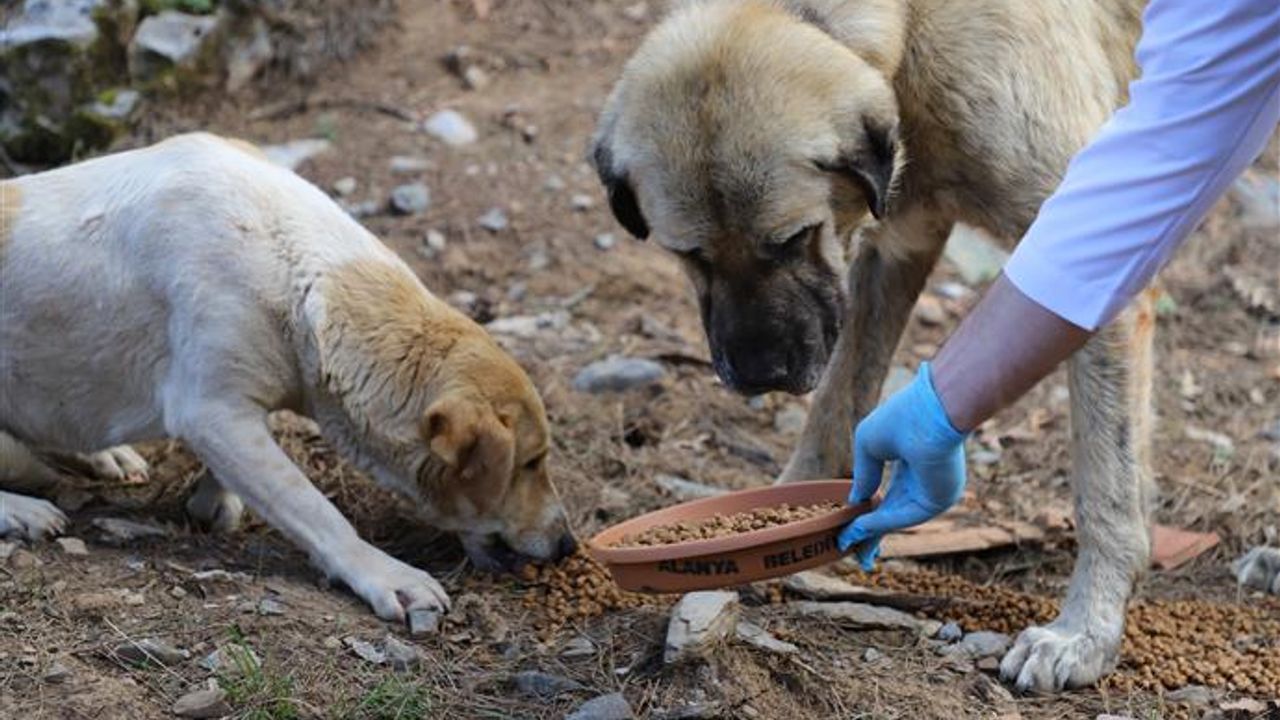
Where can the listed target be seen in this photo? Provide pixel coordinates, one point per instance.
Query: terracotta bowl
(733, 559)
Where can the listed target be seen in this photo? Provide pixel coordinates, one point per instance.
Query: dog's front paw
(1048, 659)
(393, 588)
(1259, 568)
(120, 464)
(215, 507)
(28, 517)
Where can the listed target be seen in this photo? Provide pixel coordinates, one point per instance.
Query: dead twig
(287, 108)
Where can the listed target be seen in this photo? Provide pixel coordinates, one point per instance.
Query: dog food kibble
(1167, 644)
(577, 587)
(723, 525)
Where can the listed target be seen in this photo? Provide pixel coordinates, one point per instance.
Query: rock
(1222, 443)
(872, 655)
(974, 254)
(365, 650)
(494, 220)
(865, 616)
(553, 183)
(295, 152)
(270, 606)
(1259, 197)
(543, 685)
(344, 186)
(118, 531)
(167, 40)
(402, 656)
(929, 311)
(898, 378)
(618, 374)
(698, 622)
(605, 707)
(68, 22)
(790, 419)
(209, 702)
(56, 673)
(819, 586)
(423, 622)
(1259, 569)
(451, 127)
(539, 260)
(1194, 695)
(682, 489)
(758, 637)
(149, 650)
(23, 559)
(989, 665)
(977, 645)
(581, 203)
(528, 326)
(364, 209)
(605, 241)
(247, 53)
(475, 78)
(580, 646)
(408, 164)
(230, 659)
(410, 199)
(72, 546)
(950, 632)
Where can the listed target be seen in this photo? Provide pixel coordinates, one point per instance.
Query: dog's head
(421, 397)
(750, 143)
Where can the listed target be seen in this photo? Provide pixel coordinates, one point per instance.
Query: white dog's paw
(1048, 659)
(393, 588)
(120, 463)
(1259, 568)
(214, 507)
(28, 517)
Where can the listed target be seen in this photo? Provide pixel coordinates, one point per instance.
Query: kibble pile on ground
(576, 588)
(1168, 644)
(723, 525)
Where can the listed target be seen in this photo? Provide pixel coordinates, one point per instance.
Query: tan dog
(188, 289)
(807, 159)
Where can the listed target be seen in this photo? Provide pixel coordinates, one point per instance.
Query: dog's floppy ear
(622, 199)
(870, 162)
(469, 438)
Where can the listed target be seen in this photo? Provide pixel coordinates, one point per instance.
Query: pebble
(543, 685)
(410, 199)
(168, 38)
(528, 326)
(1222, 443)
(402, 656)
(580, 646)
(581, 202)
(295, 152)
(408, 164)
(451, 127)
(367, 208)
(344, 186)
(554, 183)
(978, 645)
(790, 419)
(493, 220)
(950, 632)
(365, 651)
(149, 650)
(423, 622)
(118, 531)
(758, 637)
(230, 659)
(605, 707)
(698, 622)
(475, 78)
(871, 655)
(989, 664)
(618, 374)
(606, 241)
(682, 489)
(929, 311)
(434, 241)
(269, 606)
(208, 702)
(72, 546)
(57, 673)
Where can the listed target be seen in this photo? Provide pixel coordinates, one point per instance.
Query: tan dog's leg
(1110, 421)
(882, 291)
(20, 469)
(238, 449)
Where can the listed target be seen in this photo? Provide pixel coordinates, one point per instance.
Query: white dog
(187, 289)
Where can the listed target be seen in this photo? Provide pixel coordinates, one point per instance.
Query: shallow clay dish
(733, 559)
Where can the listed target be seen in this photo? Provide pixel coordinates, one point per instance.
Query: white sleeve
(1207, 100)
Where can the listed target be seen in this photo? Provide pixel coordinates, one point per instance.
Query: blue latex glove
(910, 429)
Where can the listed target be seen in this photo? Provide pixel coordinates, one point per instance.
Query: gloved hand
(910, 429)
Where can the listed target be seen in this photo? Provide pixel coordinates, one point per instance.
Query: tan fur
(10, 207)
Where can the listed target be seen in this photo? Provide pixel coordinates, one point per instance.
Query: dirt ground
(550, 65)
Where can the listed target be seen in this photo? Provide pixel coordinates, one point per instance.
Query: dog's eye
(697, 257)
(533, 464)
(796, 240)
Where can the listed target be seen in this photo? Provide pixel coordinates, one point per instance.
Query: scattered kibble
(719, 525)
(576, 588)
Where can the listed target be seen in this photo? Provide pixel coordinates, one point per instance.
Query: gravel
(618, 374)
(410, 199)
(451, 127)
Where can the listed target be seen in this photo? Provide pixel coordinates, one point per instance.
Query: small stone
(820, 586)
(118, 531)
(231, 659)
(698, 622)
(65, 23)
(929, 311)
(898, 378)
(344, 186)
(758, 637)
(331, 643)
(1194, 695)
(408, 165)
(402, 656)
(605, 241)
(978, 645)
(553, 183)
(872, 655)
(581, 203)
(451, 127)
(494, 220)
(539, 260)
(528, 326)
(178, 592)
(605, 707)
(974, 254)
(72, 546)
(410, 199)
(790, 419)
(618, 374)
(580, 646)
(989, 664)
(209, 702)
(365, 651)
(475, 78)
(292, 154)
(423, 622)
(168, 39)
(56, 673)
(1222, 443)
(368, 208)
(543, 685)
(950, 632)
(682, 489)
(23, 559)
(434, 241)
(149, 650)
(269, 606)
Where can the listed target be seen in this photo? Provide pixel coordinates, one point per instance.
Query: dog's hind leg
(21, 469)
(1110, 422)
(883, 287)
(214, 506)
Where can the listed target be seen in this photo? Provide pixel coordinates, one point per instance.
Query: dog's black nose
(566, 546)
